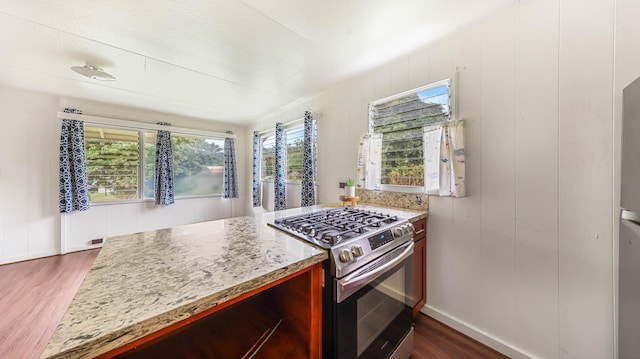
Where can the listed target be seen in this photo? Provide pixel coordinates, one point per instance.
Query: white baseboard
(477, 334)
(27, 257)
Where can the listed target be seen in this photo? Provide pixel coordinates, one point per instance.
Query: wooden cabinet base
(283, 320)
(419, 266)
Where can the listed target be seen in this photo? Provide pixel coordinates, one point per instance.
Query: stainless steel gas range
(367, 295)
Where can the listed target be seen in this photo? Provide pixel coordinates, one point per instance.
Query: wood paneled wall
(525, 263)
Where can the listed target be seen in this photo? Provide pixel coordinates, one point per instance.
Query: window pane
(401, 120)
(197, 165)
(268, 157)
(295, 139)
(112, 164)
(149, 164)
(294, 150)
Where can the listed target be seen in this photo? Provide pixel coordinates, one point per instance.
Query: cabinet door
(419, 266)
(419, 275)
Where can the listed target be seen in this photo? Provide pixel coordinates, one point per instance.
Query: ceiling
(225, 60)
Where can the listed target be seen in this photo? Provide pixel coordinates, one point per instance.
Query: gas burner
(333, 226)
(352, 236)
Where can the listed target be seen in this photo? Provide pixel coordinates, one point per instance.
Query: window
(400, 119)
(268, 157)
(197, 165)
(294, 138)
(294, 144)
(114, 165)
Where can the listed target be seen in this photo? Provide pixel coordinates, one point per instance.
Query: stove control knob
(398, 232)
(356, 250)
(345, 256)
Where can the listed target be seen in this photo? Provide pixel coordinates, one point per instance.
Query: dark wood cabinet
(419, 265)
(280, 320)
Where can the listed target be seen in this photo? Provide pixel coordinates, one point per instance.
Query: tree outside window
(197, 165)
(113, 164)
(401, 119)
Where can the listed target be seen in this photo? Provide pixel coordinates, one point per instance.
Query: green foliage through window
(268, 154)
(400, 119)
(197, 165)
(113, 164)
(294, 140)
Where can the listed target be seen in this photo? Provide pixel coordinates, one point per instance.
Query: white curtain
(445, 159)
(369, 170)
(432, 141)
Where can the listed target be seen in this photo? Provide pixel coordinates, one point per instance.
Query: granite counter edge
(105, 343)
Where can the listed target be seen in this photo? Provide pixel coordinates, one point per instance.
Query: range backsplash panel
(417, 202)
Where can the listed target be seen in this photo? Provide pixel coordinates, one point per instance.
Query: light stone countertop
(143, 282)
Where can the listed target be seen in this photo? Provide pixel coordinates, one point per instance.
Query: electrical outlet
(343, 184)
(97, 241)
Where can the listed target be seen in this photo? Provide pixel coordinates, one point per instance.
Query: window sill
(151, 200)
(286, 181)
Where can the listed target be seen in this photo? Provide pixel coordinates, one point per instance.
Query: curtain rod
(141, 125)
(315, 115)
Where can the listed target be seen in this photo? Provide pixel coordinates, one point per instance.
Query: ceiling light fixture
(93, 73)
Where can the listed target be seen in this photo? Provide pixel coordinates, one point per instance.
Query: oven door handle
(355, 279)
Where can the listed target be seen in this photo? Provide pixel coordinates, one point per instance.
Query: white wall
(30, 225)
(525, 263)
(102, 221)
(29, 140)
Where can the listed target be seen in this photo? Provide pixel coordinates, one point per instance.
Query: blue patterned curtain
(74, 194)
(164, 167)
(308, 197)
(257, 200)
(230, 178)
(280, 198)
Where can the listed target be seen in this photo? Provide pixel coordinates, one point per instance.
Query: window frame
(263, 137)
(297, 124)
(141, 164)
(140, 160)
(452, 113)
(178, 134)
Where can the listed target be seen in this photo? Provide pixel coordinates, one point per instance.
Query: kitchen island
(144, 283)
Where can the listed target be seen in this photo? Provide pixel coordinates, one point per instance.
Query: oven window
(379, 307)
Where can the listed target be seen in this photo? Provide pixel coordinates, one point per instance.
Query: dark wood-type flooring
(434, 340)
(35, 294)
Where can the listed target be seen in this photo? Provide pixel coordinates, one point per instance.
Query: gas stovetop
(332, 226)
(353, 236)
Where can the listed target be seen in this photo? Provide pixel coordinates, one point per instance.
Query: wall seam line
(558, 179)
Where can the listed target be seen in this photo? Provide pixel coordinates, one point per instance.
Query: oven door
(373, 308)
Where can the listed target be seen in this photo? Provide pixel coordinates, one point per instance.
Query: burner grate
(335, 225)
